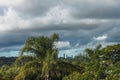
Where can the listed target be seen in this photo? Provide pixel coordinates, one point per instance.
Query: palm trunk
(47, 76)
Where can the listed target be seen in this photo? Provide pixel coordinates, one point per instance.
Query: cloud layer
(77, 21)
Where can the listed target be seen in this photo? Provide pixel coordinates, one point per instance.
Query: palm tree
(44, 51)
(38, 46)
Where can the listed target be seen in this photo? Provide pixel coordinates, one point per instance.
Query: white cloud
(80, 50)
(100, 38)
(12, 19)
(93, 21)
(76, 45)
(10, 2)
(10, 54)
(62, 44)
(58, 14)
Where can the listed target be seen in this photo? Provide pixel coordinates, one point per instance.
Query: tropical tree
(43, 52)
(42, 48)
(95, 67)
(93, 53)
(112, 53)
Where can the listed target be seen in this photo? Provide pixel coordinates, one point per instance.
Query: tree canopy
(38, 60)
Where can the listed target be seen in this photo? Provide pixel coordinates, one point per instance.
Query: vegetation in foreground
(38, 60)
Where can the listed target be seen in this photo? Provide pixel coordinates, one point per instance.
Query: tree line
(38, 60)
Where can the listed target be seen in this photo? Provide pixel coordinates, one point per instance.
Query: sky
(80, 23)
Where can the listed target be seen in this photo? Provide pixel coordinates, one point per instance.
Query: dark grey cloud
(100, 13)
(34, 8)
(103, 9)
(77, 21)
(2, 10)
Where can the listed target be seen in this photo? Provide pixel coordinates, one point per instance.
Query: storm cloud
(80, 22)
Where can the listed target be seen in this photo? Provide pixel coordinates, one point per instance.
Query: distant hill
(7, 60)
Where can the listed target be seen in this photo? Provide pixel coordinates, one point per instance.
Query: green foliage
(113, 71)
(45, 53)
(73, 76)
(11, 73)
(55, 37)
(38, 46)
(101, 64)
(112, 53)
(39, 60)
(78, 76)
(29, 71)
(80, 60)
(8, 73)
